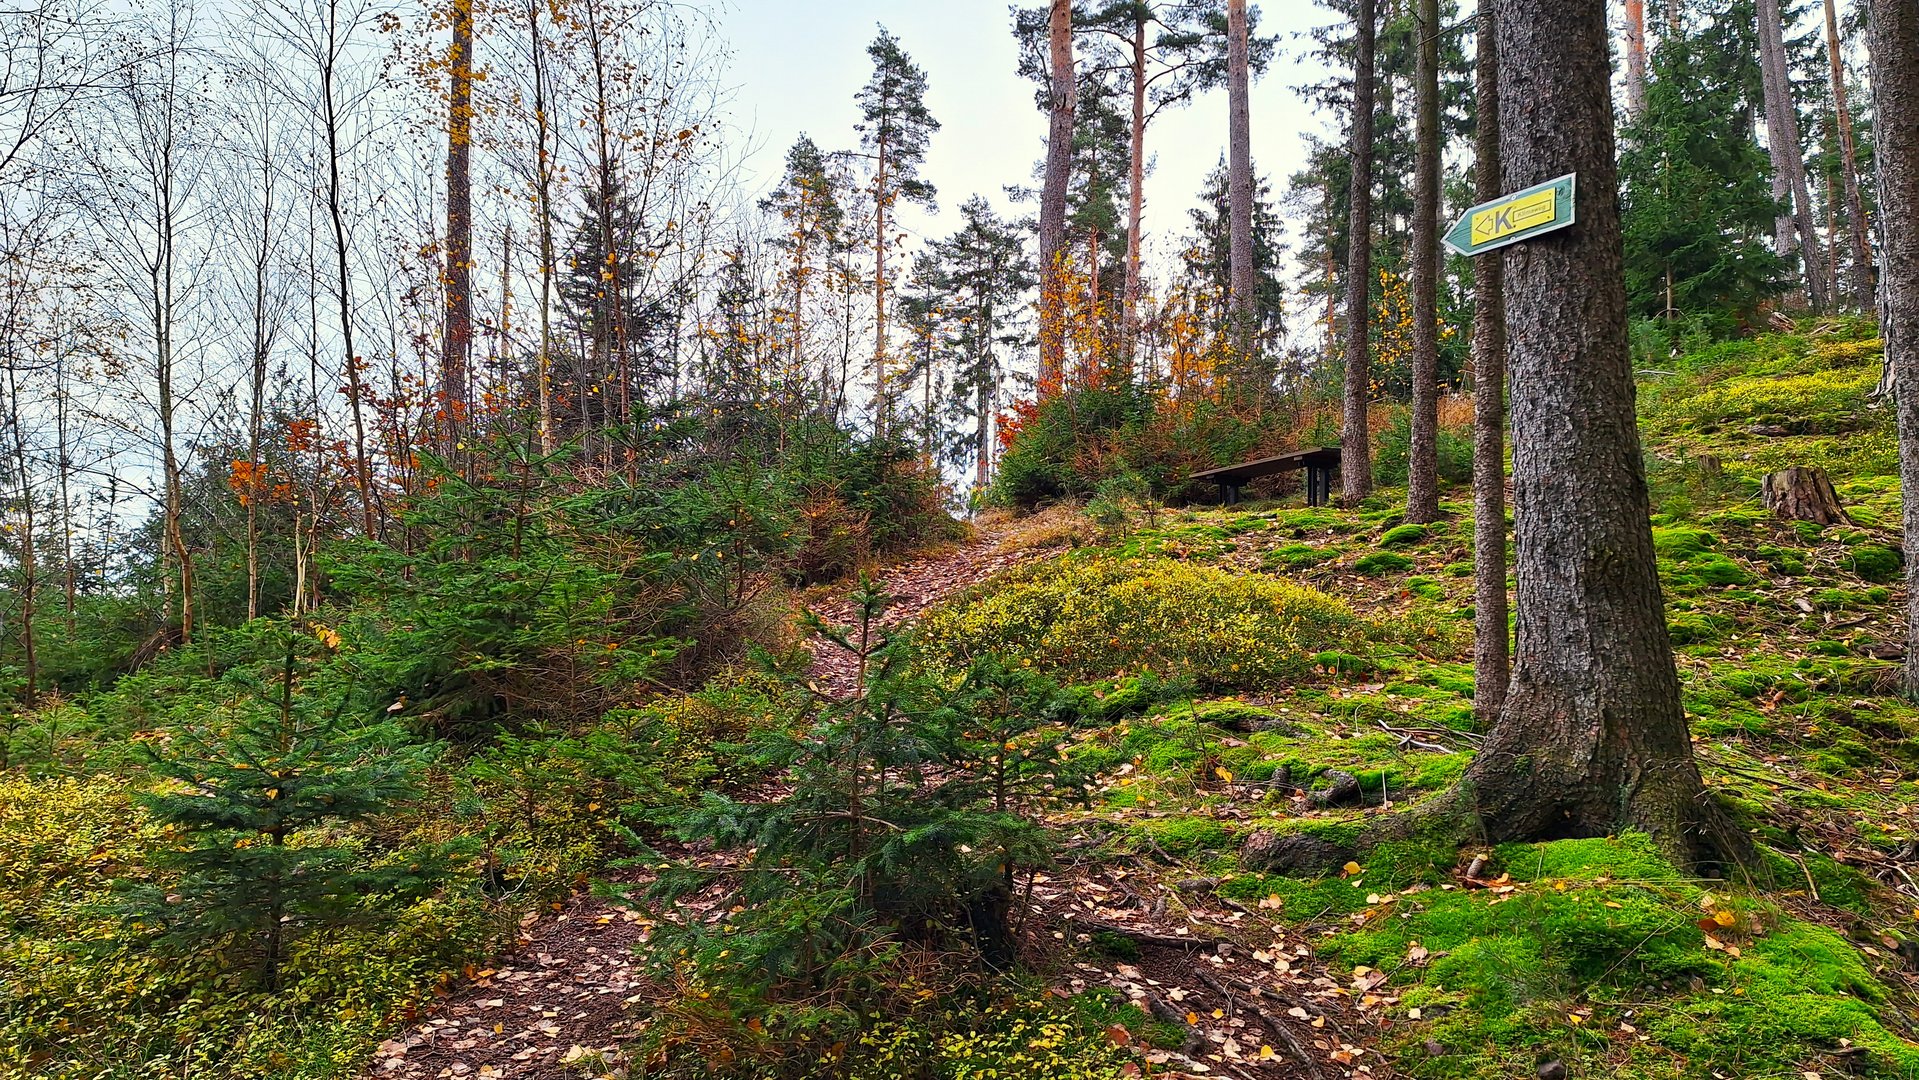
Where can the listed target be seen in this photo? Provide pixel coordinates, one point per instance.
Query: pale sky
(797, 66)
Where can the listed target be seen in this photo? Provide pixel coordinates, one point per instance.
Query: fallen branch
(1273, 1023)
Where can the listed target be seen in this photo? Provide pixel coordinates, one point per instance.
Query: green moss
(1426, 588)
(1403, 536)
(1712, 568)
(1382, 562)
(1188, 835)
(1342, 663)
(1875, 562)
(1680, 543)
(1693, 628)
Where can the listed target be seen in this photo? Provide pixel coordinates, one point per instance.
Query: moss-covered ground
(1336, 641)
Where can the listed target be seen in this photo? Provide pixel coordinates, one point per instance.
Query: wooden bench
(1318, 461)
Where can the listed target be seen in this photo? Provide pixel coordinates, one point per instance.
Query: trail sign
(1512, 218)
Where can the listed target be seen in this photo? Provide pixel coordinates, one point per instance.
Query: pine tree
(808, 205)
(895, 129)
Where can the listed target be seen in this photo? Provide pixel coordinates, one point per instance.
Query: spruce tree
(608, 315)
(986, 273)
(259, 795)
(1695, 207)
(1208, 265)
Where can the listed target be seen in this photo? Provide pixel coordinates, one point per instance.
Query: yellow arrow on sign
(1504, 219)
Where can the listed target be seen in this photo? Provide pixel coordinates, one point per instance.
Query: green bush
(1094, 618)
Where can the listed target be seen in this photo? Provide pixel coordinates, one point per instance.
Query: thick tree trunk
(1355, 437)
(457, 342)
(1422, 478)
(1635, 59)
(1794, 226)
(1803, 494)
(1892, 34)
(1239, 184)
(1052, 205)
(1492, 651)
(1863, 290)
(1592, 738)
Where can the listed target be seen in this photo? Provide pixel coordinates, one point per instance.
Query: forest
(620, 539)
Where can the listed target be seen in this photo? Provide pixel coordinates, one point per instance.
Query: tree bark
(543, 209)
(1492, 651)
(457, 338)
(1355, 438)
(1422, 465)
(1239, 185)
(1892, 35)
(1592, 738)
(1635, 59)
(1052, 207)
(1794, 228)
(1135, 186)
(1863, 290)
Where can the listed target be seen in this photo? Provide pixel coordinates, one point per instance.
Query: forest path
(914, 585)
(1252, 997)
(555, 1003)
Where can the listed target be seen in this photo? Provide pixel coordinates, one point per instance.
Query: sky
(797, 66)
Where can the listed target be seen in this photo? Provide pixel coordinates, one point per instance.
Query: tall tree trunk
(1355, 438)
(1892, 35)
(1862, 284)
(1239, 188)
(1635, 60)
(882, 403)
(543, 209)
(456, 343)
(342, 251)
(1422, 465)
(1135, 185)
(1492, 654)
(27, 563)
(1794, 228)
(1052, 205)
(1592, 738)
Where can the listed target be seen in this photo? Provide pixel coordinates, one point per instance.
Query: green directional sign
(1512, 218)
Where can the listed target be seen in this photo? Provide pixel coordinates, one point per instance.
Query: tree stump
(1803, 493)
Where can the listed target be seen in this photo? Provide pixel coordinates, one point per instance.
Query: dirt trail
(1255, 1001)
(914, 586)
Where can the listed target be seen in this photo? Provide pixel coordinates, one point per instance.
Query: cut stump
(1802, 493)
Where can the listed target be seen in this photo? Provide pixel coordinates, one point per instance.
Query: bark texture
(457, 341)
(1135, 185)
(1239, 180)
(1355, 438)
(1635, 58)
(1803, 494)
(1794, 227)
(1863, 289)
(1422, 465)
(1052, 203)
(1892, 35)
(1592, 738)
(1492, 650)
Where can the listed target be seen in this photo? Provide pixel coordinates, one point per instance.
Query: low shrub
(1092, 619)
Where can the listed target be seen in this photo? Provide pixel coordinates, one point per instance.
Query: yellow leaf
(1350, 869)
(1223, 774)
